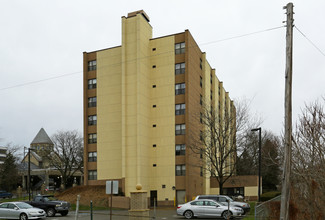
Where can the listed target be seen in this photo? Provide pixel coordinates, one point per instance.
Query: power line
(38, 81)
(317, 48)
(207, 43)
(243, 35)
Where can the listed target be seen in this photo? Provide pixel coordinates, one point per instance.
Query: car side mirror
(16, 208)
(217, 205)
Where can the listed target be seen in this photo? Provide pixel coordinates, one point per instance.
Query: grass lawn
(251, 214)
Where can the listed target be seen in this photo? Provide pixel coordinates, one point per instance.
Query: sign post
(111, 188)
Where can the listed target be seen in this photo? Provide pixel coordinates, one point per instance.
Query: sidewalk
(159, 213)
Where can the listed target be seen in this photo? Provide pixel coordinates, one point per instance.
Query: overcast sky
(42, 41)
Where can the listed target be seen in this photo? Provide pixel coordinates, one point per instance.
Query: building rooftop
(42, 138)
(132, 14)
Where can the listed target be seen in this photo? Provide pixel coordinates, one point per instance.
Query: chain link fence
(265, 210)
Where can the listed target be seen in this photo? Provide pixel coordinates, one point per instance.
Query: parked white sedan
(207, 208)
(20, 210)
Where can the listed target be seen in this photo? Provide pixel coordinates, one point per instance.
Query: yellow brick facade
(135, 112)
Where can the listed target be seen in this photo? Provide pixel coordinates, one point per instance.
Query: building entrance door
(153, 198)
(180, 196)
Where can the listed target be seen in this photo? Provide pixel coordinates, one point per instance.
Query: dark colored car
(5, 194)
(223, 200)
(50, 205)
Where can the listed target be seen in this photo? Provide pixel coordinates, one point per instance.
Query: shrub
(269, 195)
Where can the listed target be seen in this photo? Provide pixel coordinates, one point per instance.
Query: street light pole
(28, 177)
(259, 160)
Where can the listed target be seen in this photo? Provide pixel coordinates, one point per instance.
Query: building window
(201, 99)
(201, 81)
(179, 109)
(201, 117)
(180, 129)
(179, 68)
(201, 171)
(92, 156)
(200, 63)
(180, 89)
(92, 101)
(180, 48)
(92, 174)
(201, 136)
(92, 138)
(180, 170)
(92, 65)
(180, 149)
(92, 119)
(92, 83)
(211, 94)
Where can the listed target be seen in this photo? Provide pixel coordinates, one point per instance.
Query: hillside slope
(97, 194)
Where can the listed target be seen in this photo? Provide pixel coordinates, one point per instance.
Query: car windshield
(49, 199)
(230, 199)
(220, 204)
(23, 205)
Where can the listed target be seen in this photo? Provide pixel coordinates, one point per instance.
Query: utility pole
(285, 194)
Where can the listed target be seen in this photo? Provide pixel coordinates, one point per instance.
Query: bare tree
(67, 156)
(221, 130)
(308, 162)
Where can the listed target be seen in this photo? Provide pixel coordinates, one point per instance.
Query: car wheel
(64, 213)
(188, 214)
(50, 212)
(23, 216)
(226, 214)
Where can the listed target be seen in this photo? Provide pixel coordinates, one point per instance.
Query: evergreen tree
(9, 173)
(247, 163)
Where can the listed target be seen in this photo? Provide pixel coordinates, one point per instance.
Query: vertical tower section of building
(90, 110)
(194, 79)
(136, 33)
(109, 108)
(162, 120)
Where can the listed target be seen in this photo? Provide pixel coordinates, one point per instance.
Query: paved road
(161, 214)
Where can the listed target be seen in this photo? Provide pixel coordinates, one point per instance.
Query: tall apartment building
(141, 102)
